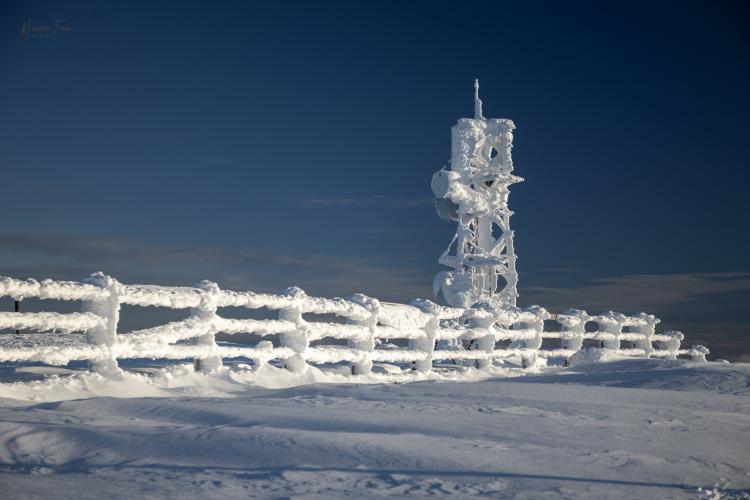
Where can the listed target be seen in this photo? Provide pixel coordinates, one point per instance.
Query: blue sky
(262, 145)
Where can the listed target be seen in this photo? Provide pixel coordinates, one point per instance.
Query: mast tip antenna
(477, 101)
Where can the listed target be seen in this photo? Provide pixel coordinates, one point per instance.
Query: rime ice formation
(480, 293)
(474, 193)
(303, 341)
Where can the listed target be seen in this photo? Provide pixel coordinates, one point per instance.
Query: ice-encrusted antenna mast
(474, 192)
(477, 102)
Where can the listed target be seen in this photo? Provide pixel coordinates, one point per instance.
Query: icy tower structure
(474, 193)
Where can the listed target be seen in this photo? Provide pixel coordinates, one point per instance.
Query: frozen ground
(621, 429)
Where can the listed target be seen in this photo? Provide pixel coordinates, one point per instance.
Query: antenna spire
(477, 101)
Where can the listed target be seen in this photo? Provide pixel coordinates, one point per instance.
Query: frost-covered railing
(426, 332)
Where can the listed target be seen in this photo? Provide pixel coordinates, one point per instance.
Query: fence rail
(429, 332)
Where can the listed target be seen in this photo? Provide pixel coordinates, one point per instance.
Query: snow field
(620, 429)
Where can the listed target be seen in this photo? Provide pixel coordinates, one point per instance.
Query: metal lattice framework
(474, 193)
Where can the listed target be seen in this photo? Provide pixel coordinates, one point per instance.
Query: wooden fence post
(647, 331)
(610, 325)
(105, 334)
(296, 340)
(17, 308)
(430, 328)
(673, 344)
(365, 345)
(698, 353)
(573, 322)
(535, 342)
(206, 313)
(481, 318)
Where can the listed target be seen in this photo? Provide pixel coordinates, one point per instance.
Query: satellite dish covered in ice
(446, 209)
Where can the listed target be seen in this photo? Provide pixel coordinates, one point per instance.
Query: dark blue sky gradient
(171, 144)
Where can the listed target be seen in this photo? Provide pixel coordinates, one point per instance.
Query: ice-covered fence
(425, 332)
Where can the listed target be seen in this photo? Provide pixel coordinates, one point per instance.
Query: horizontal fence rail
(426, 332)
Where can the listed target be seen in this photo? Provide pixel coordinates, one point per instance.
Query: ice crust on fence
(48, 289)
(50, 321)
(433, 332)
(480, 292)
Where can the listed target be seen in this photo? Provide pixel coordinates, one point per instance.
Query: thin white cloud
(638, 292)
(370, 200)
(238, 267)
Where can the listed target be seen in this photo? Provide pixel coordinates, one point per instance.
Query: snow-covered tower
(474, 192)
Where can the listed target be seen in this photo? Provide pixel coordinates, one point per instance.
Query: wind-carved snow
(621, 429)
